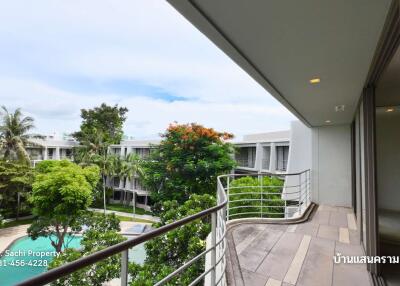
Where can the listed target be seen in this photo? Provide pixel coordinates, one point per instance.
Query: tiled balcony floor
(298, 254)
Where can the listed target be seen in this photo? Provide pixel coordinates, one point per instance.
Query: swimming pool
(26, 258)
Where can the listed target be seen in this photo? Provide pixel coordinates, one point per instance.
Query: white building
(51, 147)
(129, 190)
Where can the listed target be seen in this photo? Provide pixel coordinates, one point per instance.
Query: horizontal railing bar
(252, 200)
(73, 266)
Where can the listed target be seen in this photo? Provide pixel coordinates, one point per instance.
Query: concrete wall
(331, 165)
(300, 148)
(299, 158)
(388, 159)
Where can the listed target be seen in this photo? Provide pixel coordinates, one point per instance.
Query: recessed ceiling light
(315, 80)
(327, 121)
(389, 109)
(339, 108)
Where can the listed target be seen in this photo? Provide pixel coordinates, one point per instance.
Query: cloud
(60, 56)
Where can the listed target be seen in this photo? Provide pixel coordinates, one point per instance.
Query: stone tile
(346, 275)
(266, 240)
(327, 208)
(354, 237)
(338, 219)
(295, 267)
(307, 228)
(344, 236)
(252, 256)
(253, 279)
(318, 264)
(328, 232)
(251, 259)
(350, 250)
(273, 282)
(344, 210)
(351, 221)
(246, 241)
(244, 231)
(321, 217)
(276, 264)
(292, 228)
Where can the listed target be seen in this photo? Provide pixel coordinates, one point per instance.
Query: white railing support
(213, 245)
(124, 268)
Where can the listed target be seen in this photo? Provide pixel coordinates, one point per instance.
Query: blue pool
(26, 261)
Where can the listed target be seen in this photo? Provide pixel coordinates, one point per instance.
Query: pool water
(14, 269)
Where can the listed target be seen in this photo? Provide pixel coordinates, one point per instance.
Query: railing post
(124, 268)
(261, 193)
(213, 250)
(299, 194)
(227, 195)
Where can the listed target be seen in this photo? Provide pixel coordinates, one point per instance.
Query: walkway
(297, 254)
(9, 234)
(146, 217)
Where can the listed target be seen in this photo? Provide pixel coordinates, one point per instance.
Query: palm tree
(107, 165)
(133, 167)
(14, 137)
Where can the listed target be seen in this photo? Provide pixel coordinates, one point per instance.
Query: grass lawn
(17, 222)
(127, 209)
(124, 218)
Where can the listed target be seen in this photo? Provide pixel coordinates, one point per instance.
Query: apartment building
(128, 191)
(263, 152)
(51, 147)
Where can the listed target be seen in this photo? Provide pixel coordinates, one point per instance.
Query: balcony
(245, 163)
(264, 231)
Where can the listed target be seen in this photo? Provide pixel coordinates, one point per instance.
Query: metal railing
(266, 195)
(214, 273)
(238, 196)
(245, 163)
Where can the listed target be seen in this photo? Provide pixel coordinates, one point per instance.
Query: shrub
(256, 197)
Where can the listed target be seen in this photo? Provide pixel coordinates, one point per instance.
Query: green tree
(187, 161)
(101, 126)
(15, 184)
(178, 246)
(130, 167)
(102, 232)
(61, 193)
(108, 167)
(14, 136)
(256, 196)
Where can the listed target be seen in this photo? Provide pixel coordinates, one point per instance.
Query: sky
(57, 57)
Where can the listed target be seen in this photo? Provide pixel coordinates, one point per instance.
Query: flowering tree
(187, 161)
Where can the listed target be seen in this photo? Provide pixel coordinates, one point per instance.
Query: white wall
(331, 165)
(299, 157)
(388, 159)
(300, 148)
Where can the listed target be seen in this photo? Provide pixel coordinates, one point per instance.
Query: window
(138, 185)
(116, 182)
(282, 153)
(116, 195)
(141, 200)
(50, 153)
(266, 157)
(246, 157)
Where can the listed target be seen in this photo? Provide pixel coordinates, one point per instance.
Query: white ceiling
(283, 44)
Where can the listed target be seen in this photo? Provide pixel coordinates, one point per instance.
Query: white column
(45, 153)
(57, 156)
(272, 158)
(258, 160)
